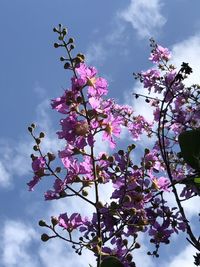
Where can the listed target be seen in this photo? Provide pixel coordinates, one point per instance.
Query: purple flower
(38, 166)
(160, 53)
(70, 223)
(160, 233)
(150, 78)
(33, 182)
(112, 126)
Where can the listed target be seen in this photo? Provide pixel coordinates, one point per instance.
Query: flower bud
(125, 242)
(64, 31)
(51, 156)
(56, 45)
(81, 128)
(67, 65)
(113, 205)
(84, 193)
(133, 211)
(132, 264)
(71, 40)
(131, 147)
(30, 129)
(58, 169)
(37, 140)
(121, 152)
(42, 223)
(129, 257)
(99, 205)
(111, 159)
(54, 221)
(104, 157)
(127, 199)
(35, 148)
(45, 237)
(42, 135)
(33, 125)
(137, 245)
(62, 194)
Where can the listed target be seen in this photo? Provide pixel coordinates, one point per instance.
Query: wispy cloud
(15, 155)
(16, 239)
(58, 253)
(96, 54)
(144, 16)
(183, 259)
(5, 177)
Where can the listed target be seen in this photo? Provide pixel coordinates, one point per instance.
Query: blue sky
(114, 36)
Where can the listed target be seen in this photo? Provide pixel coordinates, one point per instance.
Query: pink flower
(59, 104)
(138, 126)
(99, 87)
(162, 183)
(160, 53)
(70, 223)
(38, 164)
(112, 127)
(150, 79)
(33, 182)
(86, 74)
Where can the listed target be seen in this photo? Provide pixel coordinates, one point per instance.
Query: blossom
(38, 166)
(160, 233)
(70, 223)
(150, 78)
(160, 53)
(137, 199)
(138, 126)
(33, 182)
(98, 87)
(162, 183)
(112, 126)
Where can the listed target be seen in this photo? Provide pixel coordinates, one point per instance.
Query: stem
(93, 161)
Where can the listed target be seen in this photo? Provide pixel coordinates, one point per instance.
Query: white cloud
(16, 239)
(58, 253)
(144, 16)
(5, 177)
(188, 51)
(15, 155)
(96, 54)
(17, 244)
(183, 259)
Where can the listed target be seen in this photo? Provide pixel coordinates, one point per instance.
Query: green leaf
(189, 142)
(111, 261)
(197, 180)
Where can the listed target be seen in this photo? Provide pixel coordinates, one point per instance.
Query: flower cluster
(136, 203)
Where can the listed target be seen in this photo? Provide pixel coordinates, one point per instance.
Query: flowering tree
(137, 202)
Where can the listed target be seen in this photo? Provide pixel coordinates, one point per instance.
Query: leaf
(111, 261)
(189, 142)
(197, 180)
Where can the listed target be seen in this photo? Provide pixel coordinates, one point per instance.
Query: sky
(114, 36)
